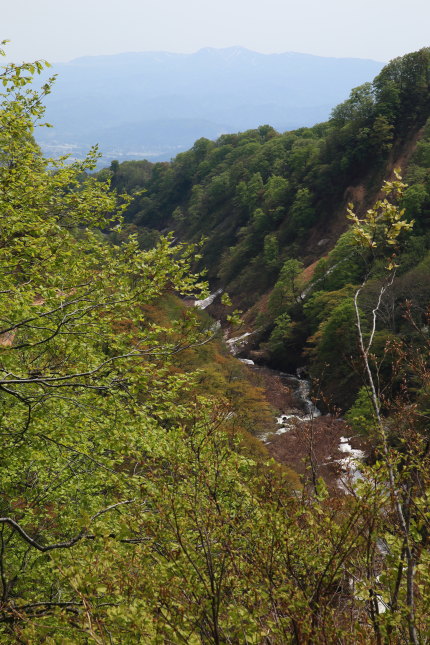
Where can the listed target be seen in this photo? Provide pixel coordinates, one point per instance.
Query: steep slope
(271, 205)
(133, 511)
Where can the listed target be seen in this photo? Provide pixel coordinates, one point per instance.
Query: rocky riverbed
(301, 433)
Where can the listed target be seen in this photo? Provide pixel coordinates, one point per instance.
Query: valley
(215, 374)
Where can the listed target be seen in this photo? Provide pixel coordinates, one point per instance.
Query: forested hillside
(272, 208)
(137, 506)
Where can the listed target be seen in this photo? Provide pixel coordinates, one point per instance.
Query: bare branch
(69, 543)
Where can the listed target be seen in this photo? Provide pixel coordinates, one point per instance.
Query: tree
(287, 288)
(302, 213)
(271, 251)
(382, 227)
(358, 107)
(84, 371)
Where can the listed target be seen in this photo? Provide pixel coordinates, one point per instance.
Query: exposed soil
(280, 396)
(322, 238)
(317, 440)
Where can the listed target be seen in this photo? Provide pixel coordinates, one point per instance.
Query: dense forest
(138, 506)
(272, 208)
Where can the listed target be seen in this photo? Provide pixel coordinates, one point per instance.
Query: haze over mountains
(156, 104)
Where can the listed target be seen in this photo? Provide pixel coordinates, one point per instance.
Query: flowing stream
(235, 345)
(302, 390)
(203, 304)
(302, 409)
(305, 409)
(350, 463)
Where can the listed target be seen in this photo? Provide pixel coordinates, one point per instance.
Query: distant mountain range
(155, 104)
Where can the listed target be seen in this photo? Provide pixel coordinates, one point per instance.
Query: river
(300, 431)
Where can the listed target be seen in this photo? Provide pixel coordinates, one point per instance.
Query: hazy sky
(59, 30)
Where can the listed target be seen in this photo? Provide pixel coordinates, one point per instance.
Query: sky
(60, 30)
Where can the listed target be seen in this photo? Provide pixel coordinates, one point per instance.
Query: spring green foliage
(261, 185)
(84, 372)
(287, 288)
(136, 507)
(263, 199)
(361, 416)
(385, 222)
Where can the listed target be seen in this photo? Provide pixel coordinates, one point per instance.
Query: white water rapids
(202, 304)
(307, 411)
(304, 411)
(236, 344)
(302, 389)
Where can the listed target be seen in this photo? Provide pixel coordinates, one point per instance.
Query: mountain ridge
(234, 49)
(272, 210)
(235, 88)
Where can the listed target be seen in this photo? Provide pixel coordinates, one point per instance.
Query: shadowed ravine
(302, 436)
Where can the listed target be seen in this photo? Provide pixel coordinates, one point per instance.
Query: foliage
(84, 371)
(383, 220)
(361, 416)
(280, 334)
(287, 288)
(136, 505)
